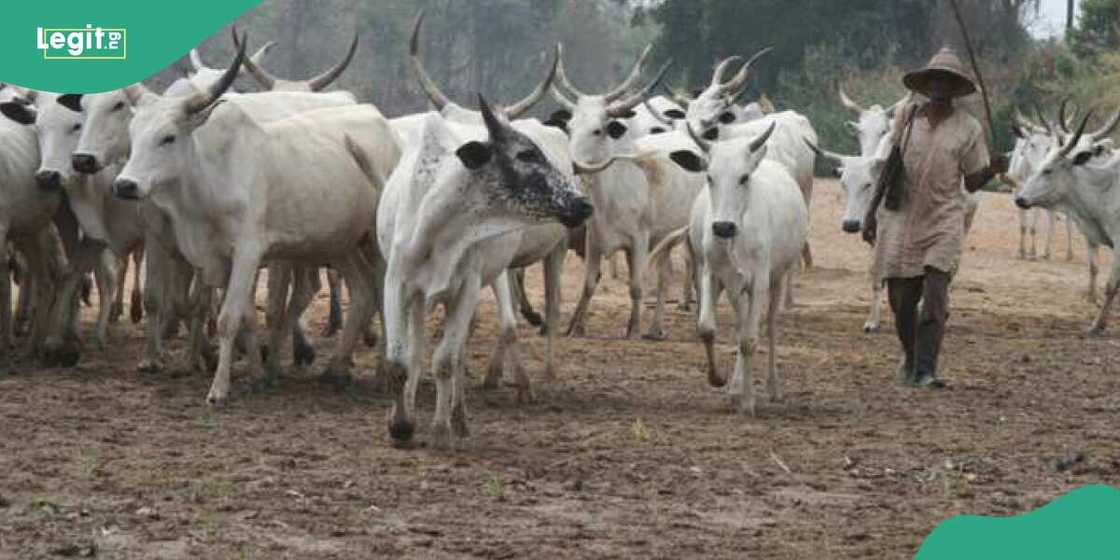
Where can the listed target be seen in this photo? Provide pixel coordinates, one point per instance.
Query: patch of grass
(495, 485)
(46, 506)
(89, 459)
(641, 432)
(206, 422)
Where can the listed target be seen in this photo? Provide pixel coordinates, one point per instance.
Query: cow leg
(108, 289)
(1049, 234)
(590, 281)
(875, 318)
(359, 274)
(637, 257)
(774, 380)
(506, 349)
(1110, 290)
(1023, 234)
(706, 323)
(790, 278)
(237, 305)
(136, 301)
(1094, 253)
(686, 291)
(664, 272)
(22, 271)
(615, 269)
(62, 345)
(7, 328)
(306, 280)
(749, 314)
(1033, 226)
(276, 314)
(517, 282)
(447, 364)
(155, 304)
(334, 318)
(1069, 239)
(201, 357)
(121, 269)
(553, 271)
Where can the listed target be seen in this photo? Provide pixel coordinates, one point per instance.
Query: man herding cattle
(918, 240)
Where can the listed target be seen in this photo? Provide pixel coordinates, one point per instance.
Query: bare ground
(629, 455)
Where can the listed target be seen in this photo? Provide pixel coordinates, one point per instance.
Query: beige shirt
(928, 227)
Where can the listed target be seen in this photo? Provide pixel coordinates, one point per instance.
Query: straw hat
(943, 64)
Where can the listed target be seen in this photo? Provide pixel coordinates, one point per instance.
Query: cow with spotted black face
(448, 224)
(1081, 176)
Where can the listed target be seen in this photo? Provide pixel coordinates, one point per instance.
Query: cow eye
(744, 179)
(118, 106)
(528, 156)
(597, 132)
(76, 127)
(1046, 171)
(727, 118)
(167, 140)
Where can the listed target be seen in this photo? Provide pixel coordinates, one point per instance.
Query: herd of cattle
(203, 187)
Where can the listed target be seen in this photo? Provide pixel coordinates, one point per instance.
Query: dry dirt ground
(629, 455)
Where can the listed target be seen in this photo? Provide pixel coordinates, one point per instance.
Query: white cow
(1083, 180)
(445, 226)
(240, 193)
(873, 124)
(1031, 146)
(745, 236)
(638, 201)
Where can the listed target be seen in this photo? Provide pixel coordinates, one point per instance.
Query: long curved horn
(196, 60)
(1042, 119)
(320, 82)
(1025, 122)
(593, 168)
(632, 79)
(761, 140)
(438, 99)
(521, 107)
(740, 79)
(266, 80)
(561, 99)
(848, 103)
(562, 76)
(824, 153)
(679, 97)
(1069, 146)
(721, 69)
(766, 105)
(619, 108)
(705, 145)
(1062, 124)
(494, 125)
(1105, 130)
(656, 114)
(204, 99)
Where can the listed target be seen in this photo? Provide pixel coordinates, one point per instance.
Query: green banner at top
(87, 47)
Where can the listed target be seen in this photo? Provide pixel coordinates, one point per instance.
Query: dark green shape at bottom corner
(1083, 525)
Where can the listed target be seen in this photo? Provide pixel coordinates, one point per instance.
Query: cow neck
(1096, 207)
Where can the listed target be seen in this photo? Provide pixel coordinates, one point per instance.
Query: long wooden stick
(976, 70)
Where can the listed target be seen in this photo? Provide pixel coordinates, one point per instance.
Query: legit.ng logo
(89, 43)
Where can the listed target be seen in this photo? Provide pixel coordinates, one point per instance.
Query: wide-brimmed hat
(943, 64)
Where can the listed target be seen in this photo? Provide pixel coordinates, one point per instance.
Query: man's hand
(870, 228)
(999, 164)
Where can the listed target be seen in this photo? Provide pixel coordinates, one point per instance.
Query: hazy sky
(1052, 20)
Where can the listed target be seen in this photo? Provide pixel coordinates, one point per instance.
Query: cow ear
(675, 114)
(22, 114)
(563, 115)
(688, 161)
(195, 120)
(474, 154)
(616, 129)
(72, 101)
(1082, 157)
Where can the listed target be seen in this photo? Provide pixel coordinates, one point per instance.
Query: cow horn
(1042, 119)
(632, 79)
(705, 145)
(1069, 146)
(678, 96)
(196, 60)
(1062, 123)
(320, 82)
(761, 140)
(593, 168)
(204, 99)
(438, 99)
(266, 80)
(740, 79)
(561, 99)
(849, 104)
(1105, 130)
(766, 105)
(619, 108)
(824, 153)
(517, 109)
(721, 69)
(562, 76)
(493, 124)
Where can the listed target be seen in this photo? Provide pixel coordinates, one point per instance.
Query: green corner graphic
(1082, 525)
(154, 35)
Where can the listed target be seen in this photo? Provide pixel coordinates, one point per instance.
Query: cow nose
(724, 230)
(580, 212)
(48, 180)
(83, 163)
(851, 226)
(1022, 203)
(126, 189)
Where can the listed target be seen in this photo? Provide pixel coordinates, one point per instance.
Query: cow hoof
(544, 330)
(576, 331)
(743, 406)
(440, 436)
(1096, 332)
(491, 381)
(150, 366)
(216, 401)
(401, 432)
(533, 318)
(336, 379)
(655, 334)
(303, 354)
(268, 382)
(63, 353)
(870, 327)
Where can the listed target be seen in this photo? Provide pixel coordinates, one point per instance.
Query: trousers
(920, 333)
